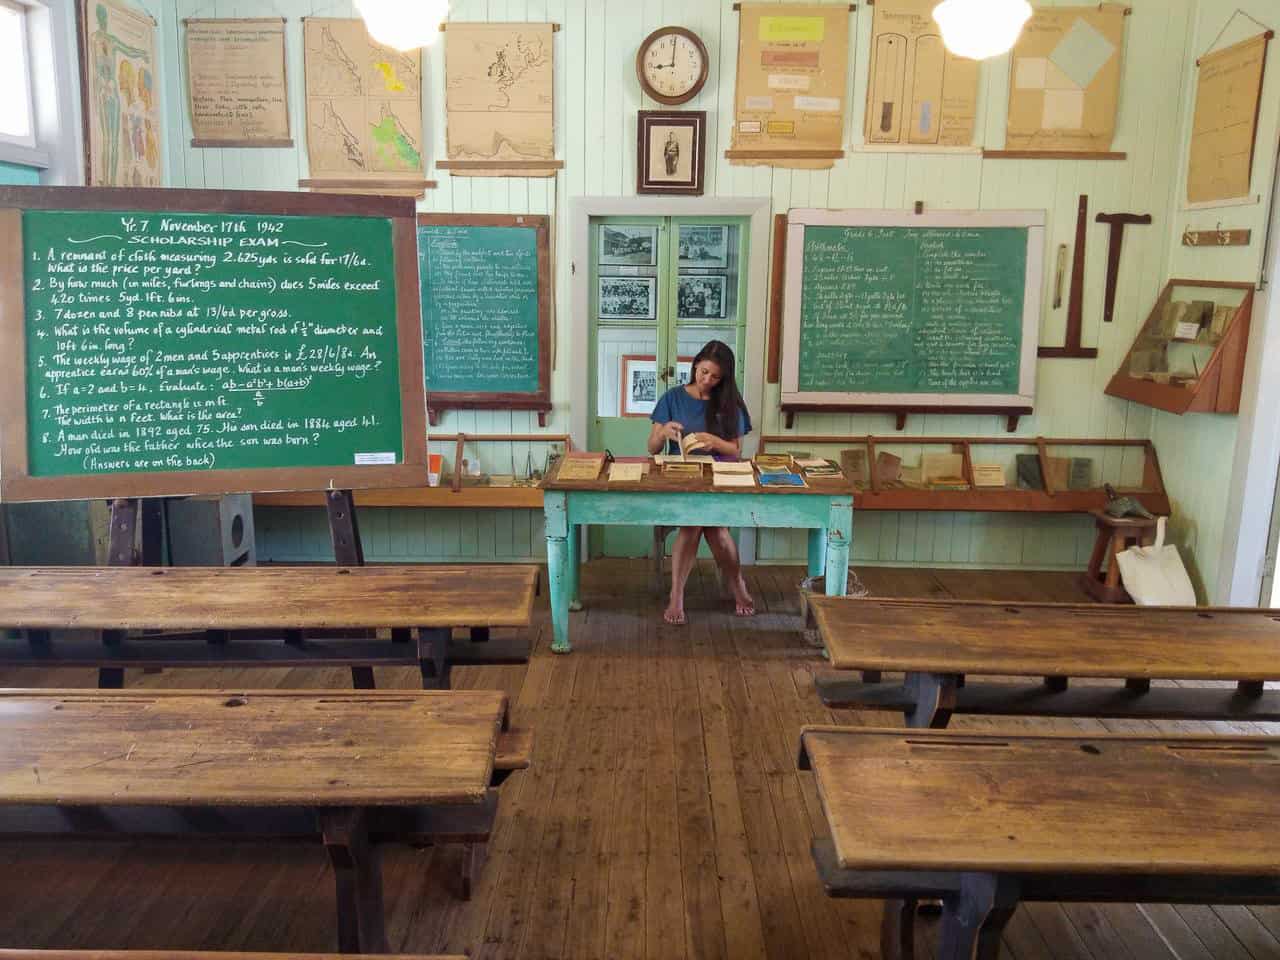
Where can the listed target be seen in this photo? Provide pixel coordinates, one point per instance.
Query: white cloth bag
(1154, 575)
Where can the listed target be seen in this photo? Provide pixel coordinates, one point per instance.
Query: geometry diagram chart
(917, 92)
(364, 108)
(1065, 85)
(500, 99)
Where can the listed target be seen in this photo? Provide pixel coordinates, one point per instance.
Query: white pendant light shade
(403, 24)
(979, 29)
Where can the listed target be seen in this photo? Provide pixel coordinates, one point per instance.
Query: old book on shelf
(853, 463)
(1029, 475)
(988, 475)
(888, 469)
(1081, 477)
(942, 469)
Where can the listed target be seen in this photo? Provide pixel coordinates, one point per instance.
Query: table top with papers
(726, 479)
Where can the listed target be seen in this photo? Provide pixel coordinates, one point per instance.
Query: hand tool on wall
(1117, 221)
(1059, 276)
(1072, 350)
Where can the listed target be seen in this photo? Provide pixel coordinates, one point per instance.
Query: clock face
(672, 65)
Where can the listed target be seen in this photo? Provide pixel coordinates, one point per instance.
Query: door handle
(667, 374)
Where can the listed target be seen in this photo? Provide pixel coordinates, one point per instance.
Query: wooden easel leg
(357, 872)
(433, 657)
(898, 930)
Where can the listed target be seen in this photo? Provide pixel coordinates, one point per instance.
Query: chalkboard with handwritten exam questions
(179, 342)
(486, 311)
(887, 310)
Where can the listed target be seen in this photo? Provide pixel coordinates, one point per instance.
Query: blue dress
(690, 413)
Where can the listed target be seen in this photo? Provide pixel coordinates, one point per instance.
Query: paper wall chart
(500, 99)
(917, 92)
(364, 109)
(236, 88)
(1226, 122)
(1065, 86)
(122, 111)
(792, 69)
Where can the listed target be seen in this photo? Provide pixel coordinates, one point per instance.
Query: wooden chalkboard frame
(539, 400)
(16, 483)
(1014, 404)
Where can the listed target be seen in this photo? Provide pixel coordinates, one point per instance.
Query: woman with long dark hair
(708, 409)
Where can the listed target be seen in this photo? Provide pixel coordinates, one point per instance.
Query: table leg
(839, 535)
(575, 566)
(817, 552)
(555, 509)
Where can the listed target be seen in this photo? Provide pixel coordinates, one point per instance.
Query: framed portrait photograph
(628, 245)
(641, 386)
(671, 152)
(704, 246)
(627, 298)
(701, 298)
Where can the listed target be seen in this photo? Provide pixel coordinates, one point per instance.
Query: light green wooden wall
(597, 97)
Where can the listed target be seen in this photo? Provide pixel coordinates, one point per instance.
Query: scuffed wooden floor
(663, 816)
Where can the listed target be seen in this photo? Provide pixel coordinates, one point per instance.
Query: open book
(690, 442)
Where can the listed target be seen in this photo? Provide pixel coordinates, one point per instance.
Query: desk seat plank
(1050, 639)
(286, 748)
(6, 954)
(230, 598)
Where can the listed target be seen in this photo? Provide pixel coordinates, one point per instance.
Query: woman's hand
(671, 431)
(699, 441)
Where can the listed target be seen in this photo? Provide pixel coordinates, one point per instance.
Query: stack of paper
(732, 474)
(626, 472)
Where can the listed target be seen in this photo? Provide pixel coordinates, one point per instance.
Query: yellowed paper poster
(236, 88)
(500, 99)
(1065, 83)
(1226, 122)
(121, 106)
(792, 68)
(918, 93)
(364, 107)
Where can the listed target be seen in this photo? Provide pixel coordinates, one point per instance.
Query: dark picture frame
(671, 152)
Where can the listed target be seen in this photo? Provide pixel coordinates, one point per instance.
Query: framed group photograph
(704, 246)
(671, 152)
(640, 383)
(701, 298)
(628, 245)
(628, 298)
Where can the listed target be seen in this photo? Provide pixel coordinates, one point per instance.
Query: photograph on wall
(628, 245)
(237, 94)
(704, 246)
(641, 386)
(701, 298)
(627, 298)
(122, 110)
(672, 152)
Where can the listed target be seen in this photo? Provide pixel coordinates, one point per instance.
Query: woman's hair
(725, 402)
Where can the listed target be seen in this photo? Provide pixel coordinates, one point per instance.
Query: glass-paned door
(661, 287)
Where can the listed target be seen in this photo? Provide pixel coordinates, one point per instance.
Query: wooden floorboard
(663, 816)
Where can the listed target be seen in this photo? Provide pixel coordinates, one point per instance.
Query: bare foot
(743, 605)
(674, 614)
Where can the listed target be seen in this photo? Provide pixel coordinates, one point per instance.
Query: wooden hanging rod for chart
(782, 155)
(515, 164)
(852, 7)
(187, 20)
(1053, 155)
(1267, 35)
(872, 3)
(555, 27)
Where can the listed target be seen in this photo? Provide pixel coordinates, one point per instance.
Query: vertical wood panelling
(597, 96)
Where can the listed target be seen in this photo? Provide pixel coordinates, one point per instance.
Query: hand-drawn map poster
(500, 100)
(119, 84)
(917, 92)
(1065, 86)
(792, 64)
(236, 83)
(364, 110)
(1226, 122)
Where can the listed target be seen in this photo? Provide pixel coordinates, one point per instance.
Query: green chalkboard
(484, 284)
(180, 342)
(933, 312)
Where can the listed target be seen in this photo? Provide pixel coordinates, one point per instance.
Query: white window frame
(27, 142)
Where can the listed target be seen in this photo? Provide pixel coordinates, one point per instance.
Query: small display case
(1189, 355)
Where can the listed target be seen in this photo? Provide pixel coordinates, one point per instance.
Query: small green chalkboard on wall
(161, 343)
(486, 311)
(902, 312)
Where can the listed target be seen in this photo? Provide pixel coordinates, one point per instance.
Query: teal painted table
(825, 509)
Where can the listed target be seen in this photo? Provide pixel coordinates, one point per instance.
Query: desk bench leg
(974, 919)
(433, 657)
(357, 873)
(934, 695)
(898, 930)
(111, 678)
(362, 678)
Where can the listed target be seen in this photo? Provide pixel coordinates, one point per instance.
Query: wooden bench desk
(195, 955)
(349, 769)
(983, 821)
(936, 643)
(261, 616)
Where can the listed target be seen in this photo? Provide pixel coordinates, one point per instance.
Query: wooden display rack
(1152, 493)
(1217, 387)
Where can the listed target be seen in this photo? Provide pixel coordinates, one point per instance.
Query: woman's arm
(660, 433)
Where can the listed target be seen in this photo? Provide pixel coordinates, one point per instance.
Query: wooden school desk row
(983, 821)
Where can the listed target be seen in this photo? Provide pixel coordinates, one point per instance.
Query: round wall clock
(672, 65)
